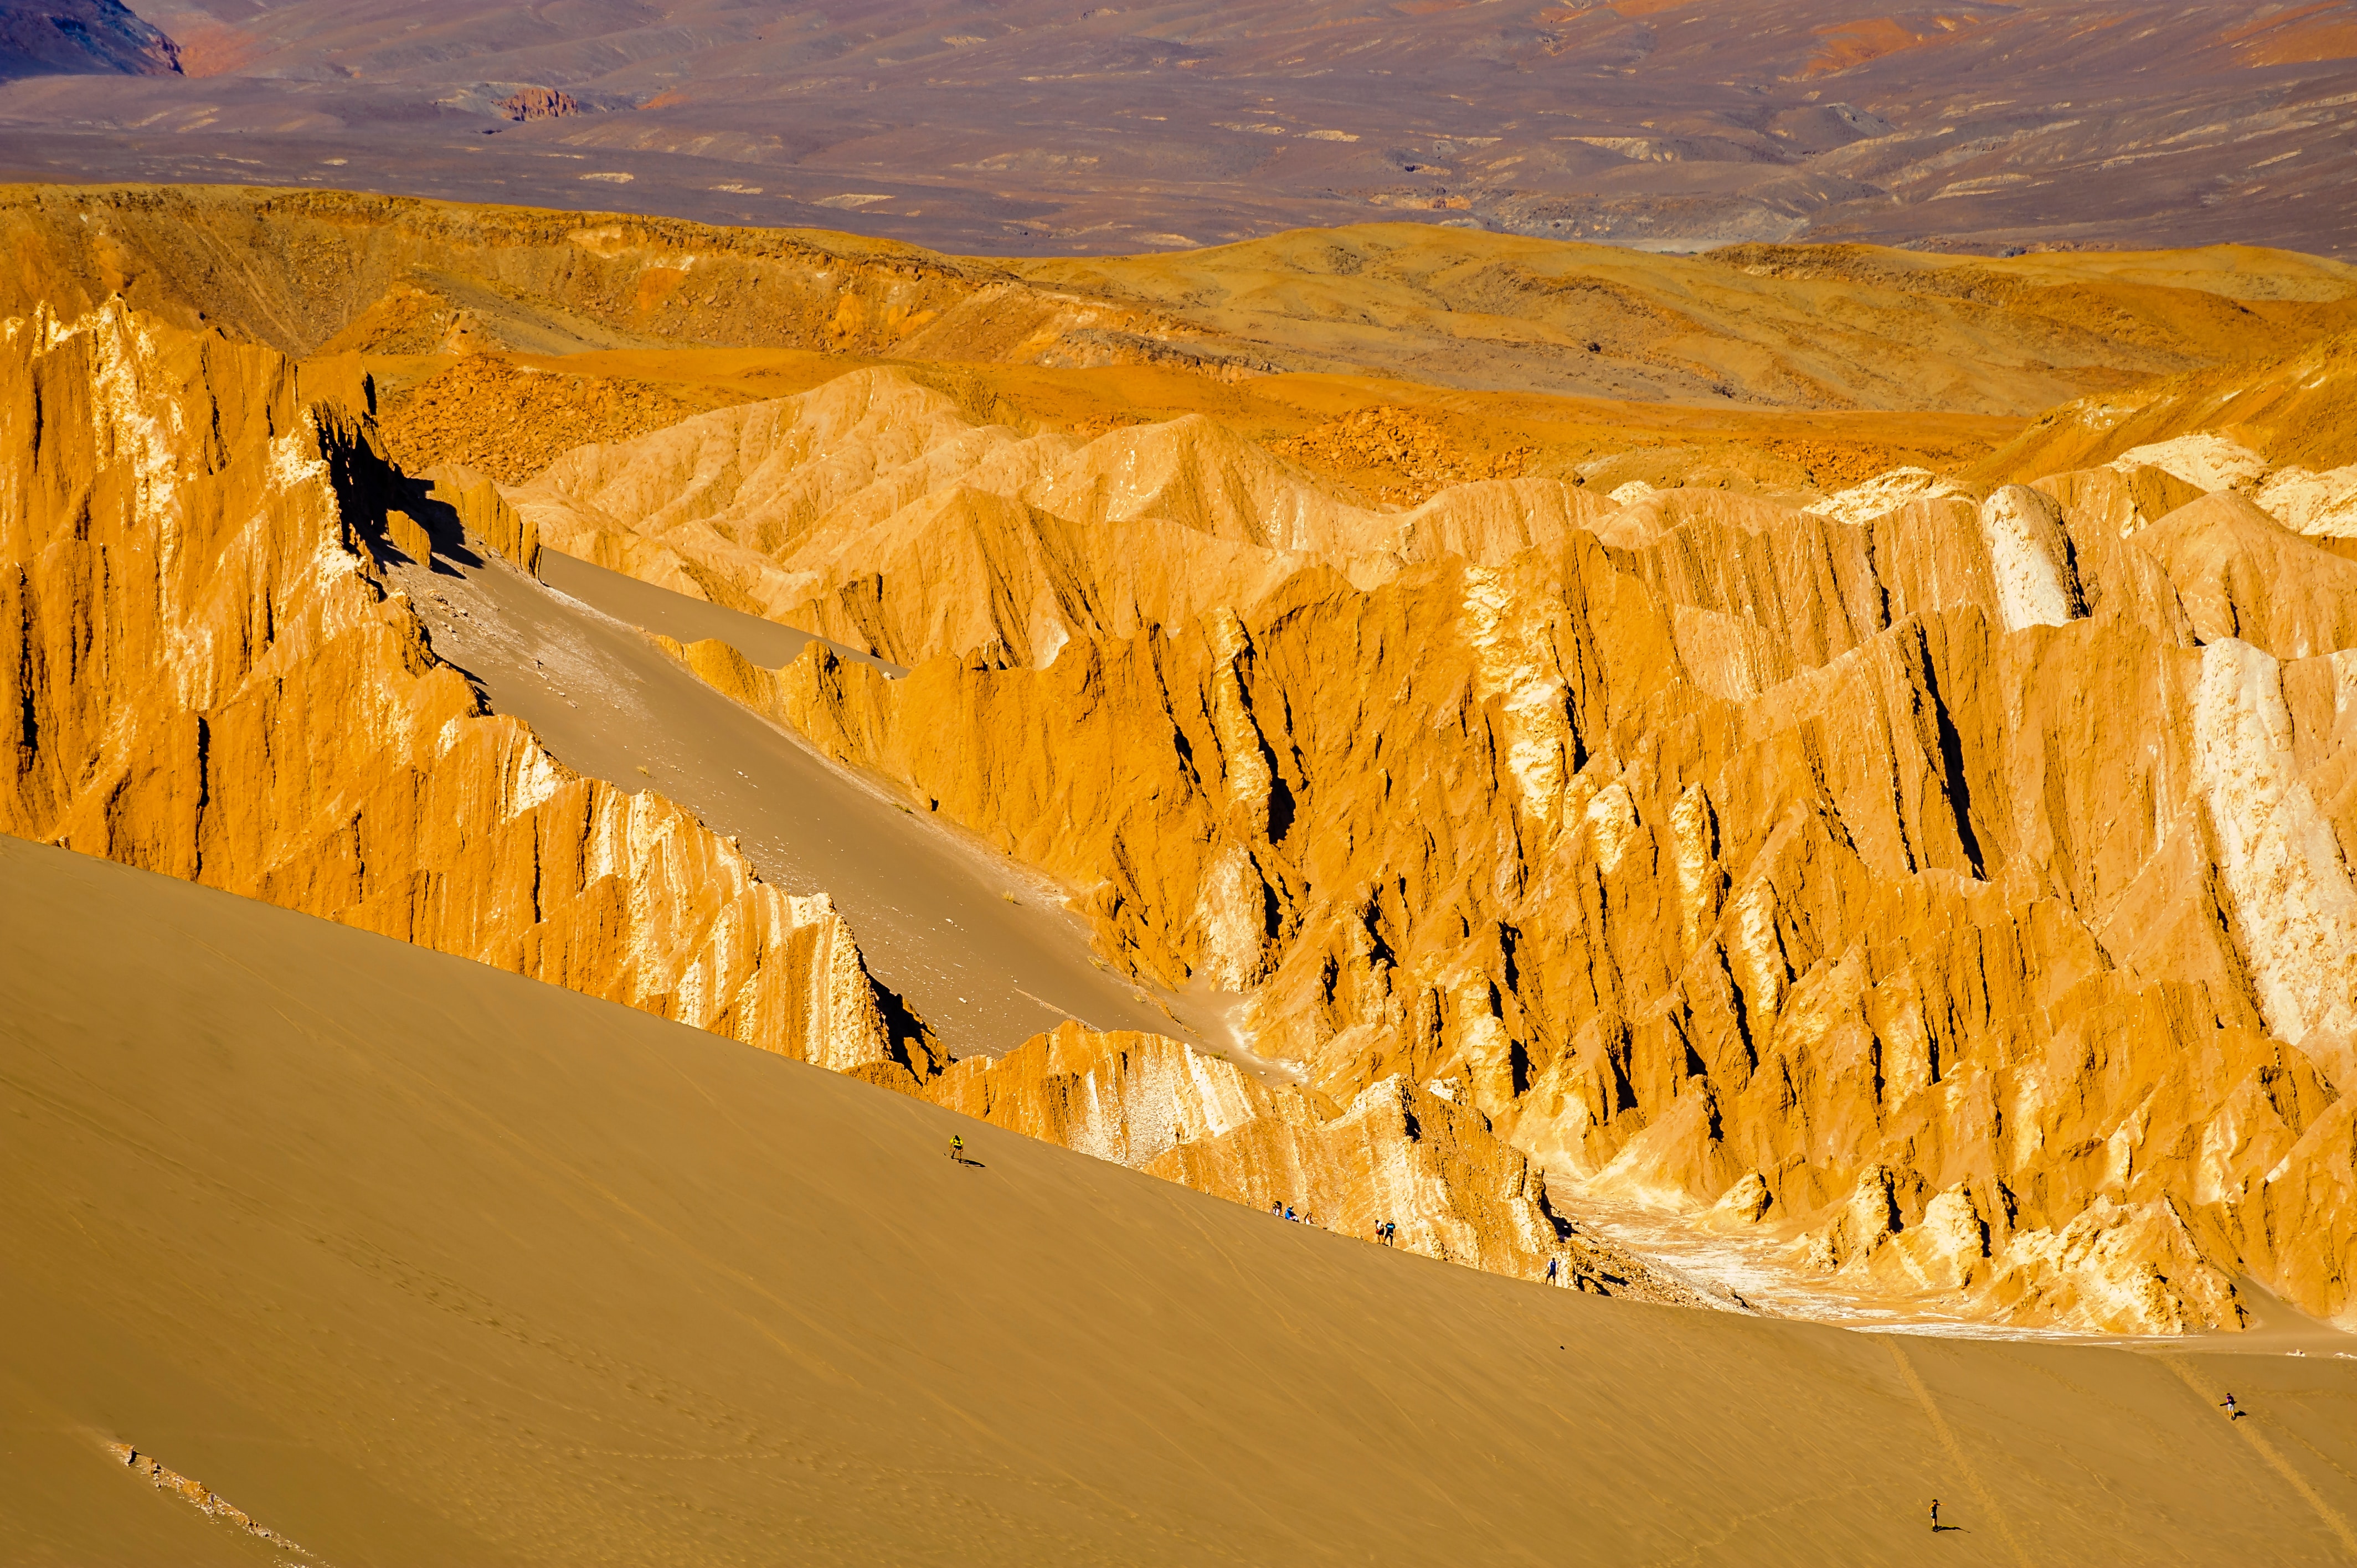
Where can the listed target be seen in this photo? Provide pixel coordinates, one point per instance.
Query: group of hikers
(1385, 1232)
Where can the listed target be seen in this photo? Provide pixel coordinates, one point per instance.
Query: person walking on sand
(2232, 1411)
(1554, 1266)
(1936, 1516)
(957, 1148)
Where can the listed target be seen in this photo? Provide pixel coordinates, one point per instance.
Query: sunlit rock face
(1959, 893)
(211, 680)
(1937, 885)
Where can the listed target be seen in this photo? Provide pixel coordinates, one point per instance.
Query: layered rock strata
(208, 677)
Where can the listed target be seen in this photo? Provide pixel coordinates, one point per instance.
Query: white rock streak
(2295, 910)
(2028, 559)
(2206, 459)
(1516, 661)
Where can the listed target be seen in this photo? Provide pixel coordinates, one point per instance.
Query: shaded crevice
(204, 798)
(1740, 1011)
(1955, 784)
(913, 1043)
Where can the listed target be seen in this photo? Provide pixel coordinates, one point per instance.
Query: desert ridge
(408, 1260)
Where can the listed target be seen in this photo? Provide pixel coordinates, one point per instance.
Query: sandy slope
(683, 619)
(417, 1262)
(930, 914)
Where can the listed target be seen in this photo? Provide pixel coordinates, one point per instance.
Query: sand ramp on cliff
(938, 921)
(420, 1262)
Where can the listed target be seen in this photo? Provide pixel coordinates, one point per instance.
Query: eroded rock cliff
(1397, 1154)
(209, 678)
(1960, 895)
(1945, 891)
(183, 505)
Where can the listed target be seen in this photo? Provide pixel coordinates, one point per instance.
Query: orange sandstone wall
(1954, 897)
(205, 677)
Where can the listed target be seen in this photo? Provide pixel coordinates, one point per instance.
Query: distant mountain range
(78, 38)
(1046, 126)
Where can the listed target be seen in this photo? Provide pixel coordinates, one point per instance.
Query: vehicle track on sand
(1956, 1456)
(2266, 1451)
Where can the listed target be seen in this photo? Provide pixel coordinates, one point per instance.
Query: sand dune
(415, 1261)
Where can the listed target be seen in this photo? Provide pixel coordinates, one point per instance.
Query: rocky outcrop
(503, 422)
(1946, 893)
(1399, 456)
(2118, 498)
(2240, 573)
(538, 103)
(1397, 1153)
(2322, 506)
(1888, 492)
(476, 507)
(200, 1497)
(208, 677)
(2214, 428)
